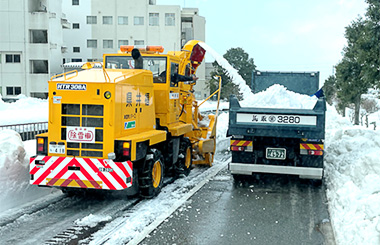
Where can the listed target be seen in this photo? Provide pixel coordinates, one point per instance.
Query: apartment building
(99, 27)
(37, 38)
(31, 45)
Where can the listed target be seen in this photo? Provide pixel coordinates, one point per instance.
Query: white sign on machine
(276, 119)
(80, 134)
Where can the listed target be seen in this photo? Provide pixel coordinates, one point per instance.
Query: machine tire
(151, 177)
(239, 177)
(185, 160)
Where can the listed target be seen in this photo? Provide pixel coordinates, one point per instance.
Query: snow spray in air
(232, 72)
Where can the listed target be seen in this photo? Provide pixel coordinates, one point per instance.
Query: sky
(292, 35)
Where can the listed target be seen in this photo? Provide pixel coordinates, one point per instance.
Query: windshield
(157, 65)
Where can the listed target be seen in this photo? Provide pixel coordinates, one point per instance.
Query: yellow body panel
(128, 111)
(152, 136)
(180, 129)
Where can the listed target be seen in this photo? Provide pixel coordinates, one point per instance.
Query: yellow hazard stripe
(311, 146)
(241, 143)
(74, 183)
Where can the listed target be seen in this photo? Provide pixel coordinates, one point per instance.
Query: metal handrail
(27, 131)
(65, 74)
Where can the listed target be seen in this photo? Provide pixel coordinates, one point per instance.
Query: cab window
(173, 74)
(157, 65)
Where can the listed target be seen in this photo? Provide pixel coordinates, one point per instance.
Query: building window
(39, 66)
(138, 20)
(12, 58)
(122, 42)
(122, 20)
(107, 43)
(92, 60)
(76, 49)
(38, 36)
(153, 19)
(75, 25)
(91, 43)
(139, 42)
(170, 19)
(76, 60)
(75, 2)
(107, 20)
(91, 20)
(13, 90)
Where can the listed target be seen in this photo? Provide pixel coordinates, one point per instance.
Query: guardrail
(27, 131)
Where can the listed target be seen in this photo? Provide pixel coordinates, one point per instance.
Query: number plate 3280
(276, 153)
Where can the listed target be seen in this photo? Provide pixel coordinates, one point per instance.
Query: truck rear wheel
(239, 177)
(185, 158)
(151, 177)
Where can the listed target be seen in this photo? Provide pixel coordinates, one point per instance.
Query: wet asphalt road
(264, 209)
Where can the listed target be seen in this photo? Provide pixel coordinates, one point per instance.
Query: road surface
(269, 210)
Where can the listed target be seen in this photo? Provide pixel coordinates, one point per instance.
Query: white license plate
(276, 153)
(57, 149)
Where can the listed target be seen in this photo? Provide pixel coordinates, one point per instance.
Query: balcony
(37, 6)
(38, 21)
(63, 49)
(65, 23)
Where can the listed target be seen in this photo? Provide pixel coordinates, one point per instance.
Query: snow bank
(14, 172)
(24, 110)
(352, 172)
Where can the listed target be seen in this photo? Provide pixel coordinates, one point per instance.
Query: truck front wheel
(151, 177)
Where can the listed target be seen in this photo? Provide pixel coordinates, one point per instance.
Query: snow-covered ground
(24, 110)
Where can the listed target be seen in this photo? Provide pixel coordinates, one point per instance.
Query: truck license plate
(58, 149)
(276, 153)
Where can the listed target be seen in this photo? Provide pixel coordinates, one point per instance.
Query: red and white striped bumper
(80, 172)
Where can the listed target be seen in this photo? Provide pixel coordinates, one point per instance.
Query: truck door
(173, 94)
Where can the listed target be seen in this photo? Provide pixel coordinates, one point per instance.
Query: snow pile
(353, 180)
(210, 105)
(277, 96)
(222, 143)
(24, 110)
(92, 220)
(14, 171)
